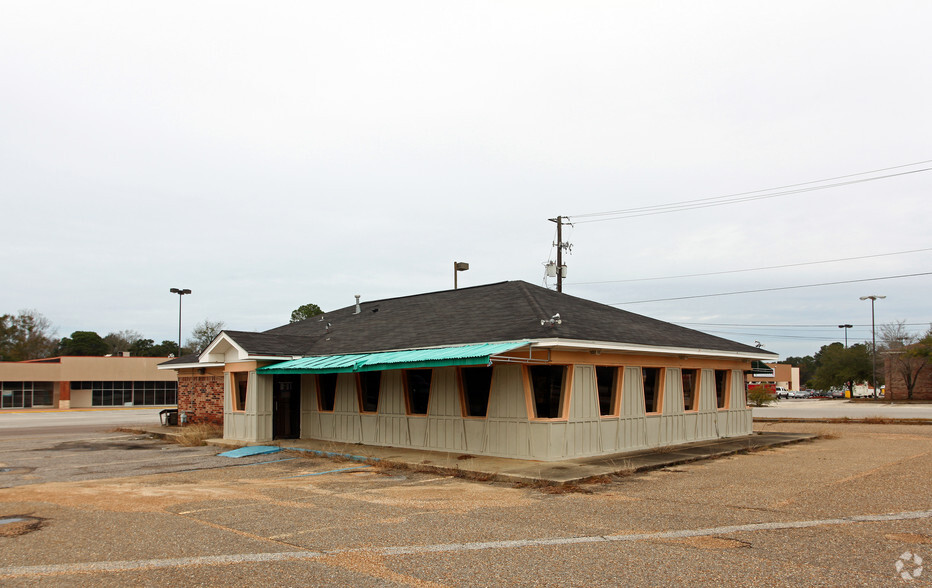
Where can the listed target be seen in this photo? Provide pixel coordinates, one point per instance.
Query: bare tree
(203, 334)
(907, 356)
(122, 340)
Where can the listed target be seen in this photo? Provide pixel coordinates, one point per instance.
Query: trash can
(169, 417)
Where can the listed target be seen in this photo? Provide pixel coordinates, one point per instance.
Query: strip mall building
(84, 382)
(507, 369)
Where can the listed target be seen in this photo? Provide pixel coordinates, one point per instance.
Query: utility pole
(560, 247)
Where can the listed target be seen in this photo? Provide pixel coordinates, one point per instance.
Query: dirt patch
(373, 565)
(910, 538)
(141, 496)
(708, 542)
(16, 525)
(458, 497)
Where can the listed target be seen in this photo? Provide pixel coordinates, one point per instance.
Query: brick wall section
(897, 386)
(201, 397)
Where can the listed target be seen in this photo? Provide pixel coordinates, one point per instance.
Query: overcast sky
(266, 155)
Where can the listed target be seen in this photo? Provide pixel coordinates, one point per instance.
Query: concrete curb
(522, 471)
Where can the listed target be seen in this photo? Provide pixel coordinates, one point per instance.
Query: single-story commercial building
(779, 375)
(507, 369)
(84, 382)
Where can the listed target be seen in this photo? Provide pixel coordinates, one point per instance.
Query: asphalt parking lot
(118, 509)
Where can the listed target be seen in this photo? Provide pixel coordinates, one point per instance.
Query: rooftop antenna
(560, 245)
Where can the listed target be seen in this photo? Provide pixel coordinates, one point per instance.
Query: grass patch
(198, 434)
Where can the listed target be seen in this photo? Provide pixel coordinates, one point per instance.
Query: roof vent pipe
(358, 309)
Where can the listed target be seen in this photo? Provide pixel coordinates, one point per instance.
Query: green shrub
(760, 396)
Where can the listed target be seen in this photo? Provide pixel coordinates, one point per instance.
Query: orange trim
(241, 366)
(618, 382)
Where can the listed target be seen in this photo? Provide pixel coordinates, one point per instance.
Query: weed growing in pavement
(198, 434)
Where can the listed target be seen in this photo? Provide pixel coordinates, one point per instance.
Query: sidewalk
(521, 470)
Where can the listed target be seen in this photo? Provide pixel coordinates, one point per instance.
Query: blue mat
(247, 451)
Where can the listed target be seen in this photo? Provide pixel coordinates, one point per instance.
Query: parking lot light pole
(845, 327)
(873, 298)
(180, 292)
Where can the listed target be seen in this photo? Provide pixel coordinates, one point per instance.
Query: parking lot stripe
(121, 566)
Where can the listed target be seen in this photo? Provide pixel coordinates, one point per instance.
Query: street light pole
(458, 266)
(873, 298)
(845, 327)
(180, 292)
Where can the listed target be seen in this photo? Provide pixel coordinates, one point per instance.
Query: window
(142, 393)
(547, 387)
(369, 386)
(240, 380)
(651, 378)
(607, 384)
(417, 390)
(721, 388)
(690, 389)
(477, 383)
(326, 392)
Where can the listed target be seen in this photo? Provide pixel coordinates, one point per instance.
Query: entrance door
(286, 407)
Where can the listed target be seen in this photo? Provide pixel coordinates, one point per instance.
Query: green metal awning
(475, 354)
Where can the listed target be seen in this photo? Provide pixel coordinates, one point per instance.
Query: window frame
(618, 381)
(378, 393)
(238, 404)
(565, 392)
(461, 382)
(697, 385)
(407, 391)
(726, 389)
(658, 393)
(320, 396)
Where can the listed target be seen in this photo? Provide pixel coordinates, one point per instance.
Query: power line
(754, 269)
(772, 289)
(742, 196)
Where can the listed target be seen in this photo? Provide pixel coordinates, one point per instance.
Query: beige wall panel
(310, 426)
(584, 402)
(417, 429)
(347, 428)
(652, 430)
(392, 400)
(393, 430)
(346, 399)
(610, 435)
(632, 394)
(707, 400)
(445, 434)
(507, 394)
(259, 390)
(475, 432)
(540, 440)
(444, 393)
(632, 433)
(327, 425)
(508, 438)
(581, 438)
(369, 428)
(673, 391)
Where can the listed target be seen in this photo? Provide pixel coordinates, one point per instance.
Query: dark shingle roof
(504, 311)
